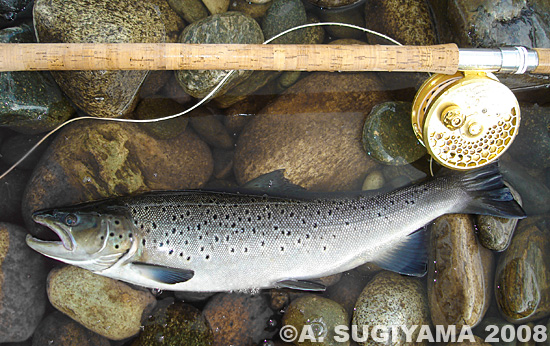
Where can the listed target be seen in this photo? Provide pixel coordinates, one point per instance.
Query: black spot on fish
(207, 257)
(117, 222)
(102, 237)
(188, 258)
(170, 252)
(263, 243)
(174, 230)
(174, 218)
(259, 217)
(304, 221)
(315, 225)
(288, 233)
(154, 225)
(282, 248)
(233, 225)
(160, 244)
(164, 209)
(324, 248)
(188, 213)
(347, 223)
(202, 248)
(116, 246)
(186, 242)
(200, 237)
(249, 219)
(227, 237)
(307, 236)
(232, 249)
(120, 236)
(276, 228)
(215, 216)
(245, 249)
(181, 254)
(111, 234)
(143, 241)
(299, 240)
(167, 242)
(216, 238)
(291, 214)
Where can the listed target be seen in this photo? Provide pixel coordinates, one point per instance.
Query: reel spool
(466, 120)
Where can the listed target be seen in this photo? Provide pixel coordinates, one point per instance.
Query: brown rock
(459, 273)
(103, 305)
(155, 108)
(522, 287)
(91, 160)
(100, 93)
(313, 132)
(210, 128)
(238, 319)
(347, 291)
(58, 329)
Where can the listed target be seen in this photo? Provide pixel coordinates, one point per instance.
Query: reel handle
(544, 61)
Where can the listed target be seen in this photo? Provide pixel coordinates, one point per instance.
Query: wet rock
(459, 273)
(288, 78)
(347, 12)
(238, 115)
(177, 324)
(408, 22)
(482, 331)
(251, 8)
(347, 291)
(22, 277)
(173, 24)
(100, 93)
(495, 233)
(373, 181)
(496, 24)
(210, 128)
(216, 6)
(15, 147)
(173, 90)
(229, 27)
(11, 190)
(58, 329)
(10, 10)
(91, 160)
(312, 131)
(388, 136)
(238, 319)
(153, 83)
(223, 163)
(105, 306)
(190, 10)
(390, 299)
(533, 138)
(30, 102)
(522, 288)
(283, 15)
(158, 108)
(322, 314)
(256, 81)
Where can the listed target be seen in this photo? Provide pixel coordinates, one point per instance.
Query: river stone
(105, 306)
(495, 233)
(251, 8)
(22, 284)
(15, 147)
(58, 329)
(91, 160)
(390, 299)
(373, 181)
(210, 128)
(154, 108)
(533, 138)
(495, 24)
(522, 288)
(223, 163)
(408, 21)
(459, 273)
(347, 291)
(321, 314)
(313, 132)
(190, 10)
(100, 93)
(229, 27)
(176, 324)
(283, 15)
(238, 319)
(388, 136)
(30, 102)
(216, 6)
(173, 24)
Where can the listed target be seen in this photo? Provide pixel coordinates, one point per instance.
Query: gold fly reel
(466, 120)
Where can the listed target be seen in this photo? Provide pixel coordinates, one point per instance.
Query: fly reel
(466, 120)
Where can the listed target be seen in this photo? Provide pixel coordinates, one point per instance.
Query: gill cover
(89, 239)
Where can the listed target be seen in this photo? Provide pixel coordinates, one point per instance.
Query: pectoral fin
(162, 274)
(303, 285)
(410, 257)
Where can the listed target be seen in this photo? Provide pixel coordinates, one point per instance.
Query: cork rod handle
(177, 56)
(544, 60)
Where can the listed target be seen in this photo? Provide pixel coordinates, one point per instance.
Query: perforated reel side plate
(490, 119)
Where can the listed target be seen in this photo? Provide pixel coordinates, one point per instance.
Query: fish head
(90, 239)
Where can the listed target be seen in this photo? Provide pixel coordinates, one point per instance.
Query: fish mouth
(66, 242)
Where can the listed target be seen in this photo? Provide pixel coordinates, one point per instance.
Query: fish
(212, 241)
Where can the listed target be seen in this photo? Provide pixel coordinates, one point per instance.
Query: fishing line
(198, 104)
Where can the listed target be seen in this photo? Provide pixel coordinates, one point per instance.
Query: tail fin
(489, 194)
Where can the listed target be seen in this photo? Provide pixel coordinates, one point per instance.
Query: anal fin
(165, 275)
(304, 285)
(410, 257)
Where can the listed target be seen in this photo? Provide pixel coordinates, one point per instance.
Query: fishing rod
(463, 115)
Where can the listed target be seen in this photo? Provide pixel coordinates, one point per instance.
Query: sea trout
(213, 241)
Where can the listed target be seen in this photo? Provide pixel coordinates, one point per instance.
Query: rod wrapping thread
(177, 56)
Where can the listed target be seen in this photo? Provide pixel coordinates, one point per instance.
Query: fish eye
(71, 220)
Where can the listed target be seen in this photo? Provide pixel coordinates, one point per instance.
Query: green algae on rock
(176, 324)
(390, 299)
(91, 160)
(313, 132)
(388, 136)
(100, 93)
(321, 314)
(522, 288)
(30, 102)
(283, 15)
(59, 329)
(228, 27)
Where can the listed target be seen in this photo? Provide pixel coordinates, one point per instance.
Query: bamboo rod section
(176, 56)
